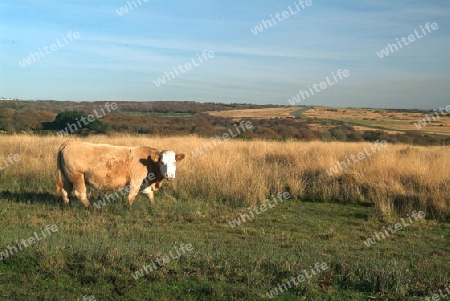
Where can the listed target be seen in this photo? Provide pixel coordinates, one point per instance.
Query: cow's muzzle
(169, 176)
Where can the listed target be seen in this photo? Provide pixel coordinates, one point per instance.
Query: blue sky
(119, 57)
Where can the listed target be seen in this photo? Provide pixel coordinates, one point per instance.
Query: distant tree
(7, 119)
(76, 122)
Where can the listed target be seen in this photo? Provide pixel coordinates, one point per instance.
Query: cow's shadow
(30, 197)
(49, 199)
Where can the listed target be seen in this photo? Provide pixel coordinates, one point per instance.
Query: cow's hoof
(89, 208)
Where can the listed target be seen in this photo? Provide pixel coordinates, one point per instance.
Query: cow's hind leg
(66, 191)
(79, 189)
(63, 188)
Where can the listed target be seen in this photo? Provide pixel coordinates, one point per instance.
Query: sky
(116, 50)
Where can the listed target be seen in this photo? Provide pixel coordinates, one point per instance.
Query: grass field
(362, 119)
(256, 113)
(386, 119)
(158, 114)
(327, 220)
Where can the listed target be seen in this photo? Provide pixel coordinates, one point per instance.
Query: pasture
(327, 219)
(264, 113)
(388, 120)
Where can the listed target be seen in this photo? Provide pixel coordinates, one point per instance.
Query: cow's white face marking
(168, 164)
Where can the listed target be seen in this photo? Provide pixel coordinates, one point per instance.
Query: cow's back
(103, 166)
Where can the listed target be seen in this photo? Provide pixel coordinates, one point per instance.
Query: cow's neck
(157, 171)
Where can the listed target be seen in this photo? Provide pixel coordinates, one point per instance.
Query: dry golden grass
(241, 173)
(381, 115)
(396, 121)
(265, 113)
(365, 128)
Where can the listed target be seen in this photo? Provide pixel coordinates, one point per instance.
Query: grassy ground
(256, 113)
(96, 253)
(363, 119)
(158, 114)
(385, 119)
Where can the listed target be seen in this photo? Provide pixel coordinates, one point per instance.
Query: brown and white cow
(109, 167)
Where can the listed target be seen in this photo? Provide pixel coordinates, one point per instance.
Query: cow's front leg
(149, 193)
(134, 190)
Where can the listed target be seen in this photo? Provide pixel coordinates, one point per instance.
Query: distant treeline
(173, 118)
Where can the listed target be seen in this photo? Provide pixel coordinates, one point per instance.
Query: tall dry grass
(396, 180)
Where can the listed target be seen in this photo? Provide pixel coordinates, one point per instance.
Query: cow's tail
(59, 170)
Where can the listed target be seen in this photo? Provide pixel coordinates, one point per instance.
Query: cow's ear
(154, 157)
(179, 157)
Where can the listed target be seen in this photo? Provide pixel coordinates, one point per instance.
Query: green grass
(370, 122)
(299, 112)
(94, 253)
(158, 114)
(384, 125)
(173, 114)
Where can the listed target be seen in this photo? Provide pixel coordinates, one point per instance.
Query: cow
(109, 167)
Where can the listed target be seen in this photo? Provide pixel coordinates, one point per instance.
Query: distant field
(173, 114)
(362, 119)
(387, 119)
(158, 114)
(256, 113)
(328, 219)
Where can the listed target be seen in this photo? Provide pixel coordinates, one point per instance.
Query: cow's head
(167, 163)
